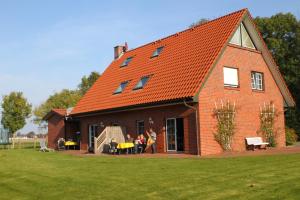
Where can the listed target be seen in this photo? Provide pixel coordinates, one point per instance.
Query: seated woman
(113, 146)
(143, 141)
(138, 145)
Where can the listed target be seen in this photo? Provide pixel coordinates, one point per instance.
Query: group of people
(141, 143)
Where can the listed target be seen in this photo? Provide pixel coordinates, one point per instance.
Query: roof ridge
(189, 29)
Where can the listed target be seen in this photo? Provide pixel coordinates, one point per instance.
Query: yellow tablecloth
(70, 143)
(125, 145)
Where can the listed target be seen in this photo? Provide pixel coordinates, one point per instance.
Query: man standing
(152, 139)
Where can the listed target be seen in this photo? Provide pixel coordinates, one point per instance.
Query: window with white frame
(231, 78)
(242, 38)
(257, 81)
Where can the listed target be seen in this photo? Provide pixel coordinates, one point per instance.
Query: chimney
(119, 50)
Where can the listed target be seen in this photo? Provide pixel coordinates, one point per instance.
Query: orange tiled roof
(177, 72)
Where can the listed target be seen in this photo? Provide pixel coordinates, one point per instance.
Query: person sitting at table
(138, 144)
(128, 139)
(143, 142)
(113, 146)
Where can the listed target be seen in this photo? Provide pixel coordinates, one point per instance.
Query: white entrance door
(171, 132)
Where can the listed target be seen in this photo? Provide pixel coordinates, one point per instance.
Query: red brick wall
(56, 130)
(159, 115)
(247, 101)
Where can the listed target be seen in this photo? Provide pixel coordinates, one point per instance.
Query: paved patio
(270, 151)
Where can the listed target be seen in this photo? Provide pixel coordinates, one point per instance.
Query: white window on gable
(242, 38)
(231, 78)
(236, 38)
(246, 40)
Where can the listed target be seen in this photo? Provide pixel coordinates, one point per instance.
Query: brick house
(173, 84)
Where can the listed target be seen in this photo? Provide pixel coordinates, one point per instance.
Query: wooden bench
(253, 142)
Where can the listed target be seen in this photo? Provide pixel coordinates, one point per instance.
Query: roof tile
(176, 73)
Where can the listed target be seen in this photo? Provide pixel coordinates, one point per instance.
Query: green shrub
(291, 136)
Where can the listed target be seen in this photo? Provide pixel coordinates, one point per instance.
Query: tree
(201, 21)
(15, 111)
(64, 99)
(87, 82)
(281, 33)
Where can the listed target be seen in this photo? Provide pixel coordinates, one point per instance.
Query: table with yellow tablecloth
(68, 144)
(125, 145)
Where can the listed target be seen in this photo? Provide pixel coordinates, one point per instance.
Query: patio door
(174, 134)
(93, 130)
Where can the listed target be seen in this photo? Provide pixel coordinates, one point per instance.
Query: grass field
(29, 174)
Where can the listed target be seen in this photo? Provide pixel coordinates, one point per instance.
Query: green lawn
(29, 174)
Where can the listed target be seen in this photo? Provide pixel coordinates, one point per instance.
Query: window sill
(258, 91)
(232, 88)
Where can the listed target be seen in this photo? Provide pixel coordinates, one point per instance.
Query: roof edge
(53, 112)
(135, 107)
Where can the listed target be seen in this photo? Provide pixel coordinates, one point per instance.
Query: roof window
(126, 62)
(157, 52)
(121, 87)
(141, 84)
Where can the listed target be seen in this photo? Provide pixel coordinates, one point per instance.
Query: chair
(140, 149)
(61, 144)
(113, 147)
(44, 147)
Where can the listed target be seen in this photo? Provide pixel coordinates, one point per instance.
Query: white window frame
(257, 80)
(239, 34)
(231, 77)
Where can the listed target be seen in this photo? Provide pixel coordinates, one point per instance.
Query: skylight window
(157, 52)
(126, 61)
(141, 84)
(242, 38)
(121, 87)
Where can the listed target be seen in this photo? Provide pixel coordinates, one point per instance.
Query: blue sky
(49, 45)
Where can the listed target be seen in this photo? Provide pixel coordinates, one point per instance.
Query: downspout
(65, 121)
(197, 127)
